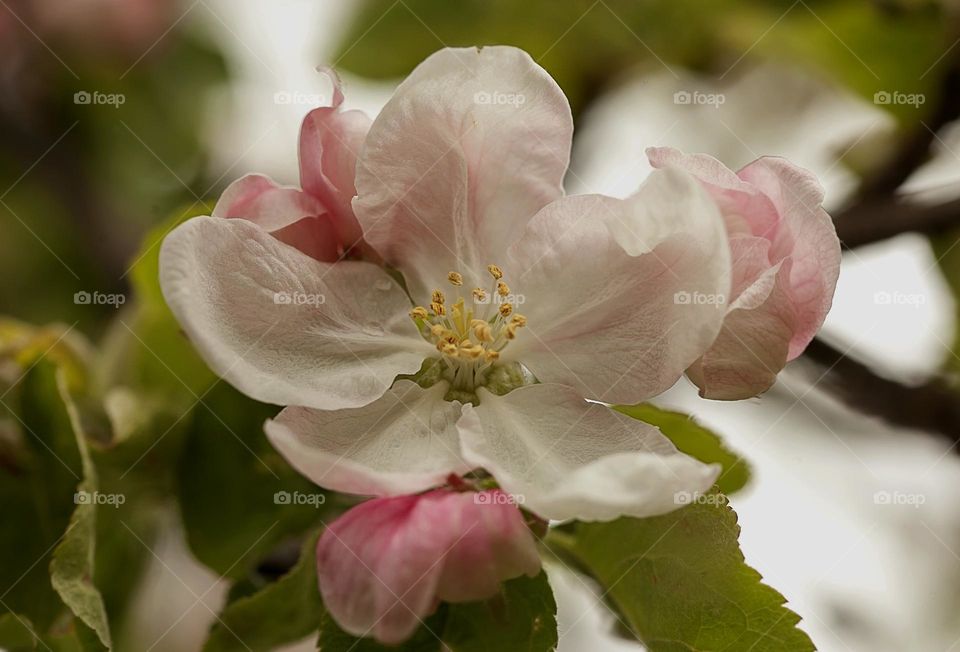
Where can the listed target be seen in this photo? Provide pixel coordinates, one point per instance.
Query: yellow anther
(503, 289)
(519, 320)
(455, 278)
(438, 297)
(511, 331)
(481, 330)
(479, 295)
(495, 272)
(437, 330)
(438, 309)
(419, 313)
(448, 349)
(490, 356)
(506, 309)
(472, 351)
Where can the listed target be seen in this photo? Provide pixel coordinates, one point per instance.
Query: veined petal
(405, 441)
(282, 327)
(808, 238)
(621, 296)
(471, 145)
(569, 458)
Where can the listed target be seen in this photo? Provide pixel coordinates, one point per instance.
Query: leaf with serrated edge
(681, 582)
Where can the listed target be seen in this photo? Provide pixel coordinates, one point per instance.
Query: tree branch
(932, 406)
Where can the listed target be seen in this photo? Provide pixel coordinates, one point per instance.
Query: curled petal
(774, 202)
(384, 565)
(282, 327)
(330, 142)
(290, 215)
(568, 458)
(808, 238)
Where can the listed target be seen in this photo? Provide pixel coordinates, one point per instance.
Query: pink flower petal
(790, 282)
(472, 144)
(384, 565)
(290, 215)
(330, 142)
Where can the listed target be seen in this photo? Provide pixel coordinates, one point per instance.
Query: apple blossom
(516, 303)
(786, 260)
(385, 565)
(316, 218)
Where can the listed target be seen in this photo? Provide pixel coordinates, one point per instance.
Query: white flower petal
(282, 327)
(405, 441)
(471, 145)
(569, 458)
(604, 282)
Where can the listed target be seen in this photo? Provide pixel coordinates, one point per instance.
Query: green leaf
(16, 633)
(72, 567)
(37, 484)
(521, 617)
(230, 525)
(696, 441)
(681, 583)
(283, 612)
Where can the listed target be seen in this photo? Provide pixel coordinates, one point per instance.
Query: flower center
(472, 331)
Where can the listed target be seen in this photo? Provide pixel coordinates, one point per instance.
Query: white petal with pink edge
(282, 327)
(471, 145)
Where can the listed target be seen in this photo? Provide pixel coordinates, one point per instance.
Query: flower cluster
(410, 376)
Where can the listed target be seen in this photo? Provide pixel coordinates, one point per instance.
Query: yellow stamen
(419, 313)
(506, 309)
(438, 309)
(448, 349)
(511, 331)
(519, 320)
(455, 278)
(495, 272)
(490, 356)
(438, 297)
(503, 289)
(479, 295)
(482, 330)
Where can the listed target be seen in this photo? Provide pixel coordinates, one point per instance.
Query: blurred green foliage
(588, 45)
